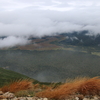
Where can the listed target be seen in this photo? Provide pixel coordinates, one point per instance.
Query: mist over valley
(50, 40)
(55, 58)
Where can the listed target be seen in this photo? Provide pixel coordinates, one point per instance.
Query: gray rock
(22, 98)
(86, 99)
(96, 98)
(76, 98)
(15, 98)
(8, 95)
(35, 98)
(45, 99)
(40, 99)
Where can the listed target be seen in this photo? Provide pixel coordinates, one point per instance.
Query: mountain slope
(7, 76)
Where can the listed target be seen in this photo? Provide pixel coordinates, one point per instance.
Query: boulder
(8, 95)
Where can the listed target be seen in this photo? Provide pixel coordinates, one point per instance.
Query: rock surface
(11, 96)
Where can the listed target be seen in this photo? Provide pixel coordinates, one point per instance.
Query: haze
(20, 19)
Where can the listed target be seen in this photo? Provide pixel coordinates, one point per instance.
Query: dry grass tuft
(18, 85)
(25, 93)
(90, 87)
(81, 86)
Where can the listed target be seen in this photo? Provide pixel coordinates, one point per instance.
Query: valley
(51, 65)
(48, 59)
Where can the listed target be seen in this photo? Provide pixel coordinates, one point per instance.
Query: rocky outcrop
(11, 96)
(6, 95)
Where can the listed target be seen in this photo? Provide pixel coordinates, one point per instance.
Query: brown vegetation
(79, 86)
(18, 86)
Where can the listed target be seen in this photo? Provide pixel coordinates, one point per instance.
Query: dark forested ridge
(83, 38)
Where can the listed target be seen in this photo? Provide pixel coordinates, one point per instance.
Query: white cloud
(13, 41)
(48, 17)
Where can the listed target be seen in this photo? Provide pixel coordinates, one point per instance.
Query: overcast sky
(20, 19)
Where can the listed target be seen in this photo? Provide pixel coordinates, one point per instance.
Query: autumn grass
(24, 87)
(18, 85)
(25, 93)
(79, 86)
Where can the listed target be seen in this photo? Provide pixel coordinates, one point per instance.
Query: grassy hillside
(7, 76)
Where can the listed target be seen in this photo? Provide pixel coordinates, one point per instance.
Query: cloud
(13, 41)
(22, 18)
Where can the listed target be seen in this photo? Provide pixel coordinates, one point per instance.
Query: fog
(21, 19)
(11, 41)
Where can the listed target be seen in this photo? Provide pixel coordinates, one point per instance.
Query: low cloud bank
(11, 41)
(40, 23)
(44, 18)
